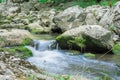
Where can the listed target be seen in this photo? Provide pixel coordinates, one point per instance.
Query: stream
(53, 60)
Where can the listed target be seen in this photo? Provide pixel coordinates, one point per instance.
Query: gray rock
(97, 10)
(91, 19)
(116, 20)
(66, 19)
(111, 19)
(13, 37)
(96, 37)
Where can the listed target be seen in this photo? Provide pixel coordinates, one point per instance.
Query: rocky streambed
(93, 29)
(13, 68)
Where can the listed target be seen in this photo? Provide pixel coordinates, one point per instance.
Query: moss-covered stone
(116, 49)
(89, 55)
(19, 51)
(68, 42)
(27, 41)
(38, 31)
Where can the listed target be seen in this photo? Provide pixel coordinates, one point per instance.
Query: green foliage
(116, 49)
(72, 43)
(105, 76)
(43, 1)
(36, 31)
(64, 41)
(2, 1)
(1, 39)
(26, 41)
(2, 49)
(108, 3)
(82, 3)
(20, 51)
(78, 41)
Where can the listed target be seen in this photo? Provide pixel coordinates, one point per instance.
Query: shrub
(116, 49)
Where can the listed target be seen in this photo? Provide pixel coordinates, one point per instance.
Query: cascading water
(47, 57)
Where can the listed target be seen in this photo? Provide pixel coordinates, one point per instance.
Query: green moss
(26, 41)
(71, 43)
(2, 49)
(78, 42)
(36, 31)
(116, 49)
(64, 41)
(2, 39)
(20, 51)
(89, 55)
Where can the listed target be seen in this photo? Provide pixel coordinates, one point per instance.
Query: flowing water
(47, 56)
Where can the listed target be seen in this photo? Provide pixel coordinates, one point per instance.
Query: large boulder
(13, 37)
(116, 20)
(70, 18)
(90, 37)
(107, 19)
(97, 11)
(111, 19)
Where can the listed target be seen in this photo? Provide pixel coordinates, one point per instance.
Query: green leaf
(43, 1)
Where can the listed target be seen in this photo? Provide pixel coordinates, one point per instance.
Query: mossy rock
(116, 49)
(89, 55)
(19, 51)
(38, 31)
(71, 43)
(27, 41)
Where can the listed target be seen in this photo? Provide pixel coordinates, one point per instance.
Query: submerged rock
(90, 37)
(89, 55)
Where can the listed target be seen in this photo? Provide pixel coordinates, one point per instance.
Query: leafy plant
(108, 3)
(2, 1)
(116, 49)
(78, 41)
(43, 1)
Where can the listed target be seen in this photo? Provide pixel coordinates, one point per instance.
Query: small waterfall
(44, 45)
(57, 46)
(46, 55)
